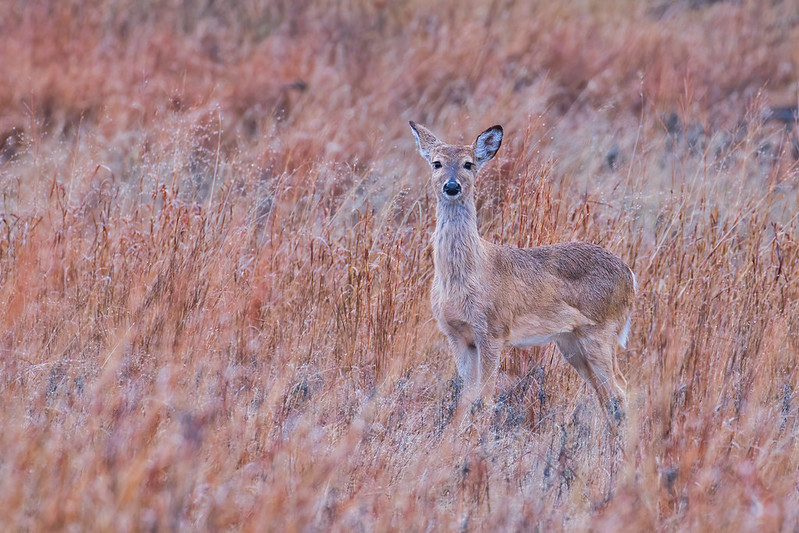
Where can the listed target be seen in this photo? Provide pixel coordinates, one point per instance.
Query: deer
(486, 296)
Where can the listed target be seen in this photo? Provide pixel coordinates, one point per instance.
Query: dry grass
(215, 264)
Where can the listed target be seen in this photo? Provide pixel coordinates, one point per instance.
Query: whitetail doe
(486, 296)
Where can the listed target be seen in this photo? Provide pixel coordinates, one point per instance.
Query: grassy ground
(215, 264)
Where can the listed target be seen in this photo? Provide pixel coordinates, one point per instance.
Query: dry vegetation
(215, 264)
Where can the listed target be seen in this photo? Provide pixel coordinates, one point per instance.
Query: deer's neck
(458, 250)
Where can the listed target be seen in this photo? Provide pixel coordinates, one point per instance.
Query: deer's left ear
(425, 140)
(487, 144)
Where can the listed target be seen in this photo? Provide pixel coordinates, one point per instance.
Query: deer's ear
(425, 140)
(487, 144)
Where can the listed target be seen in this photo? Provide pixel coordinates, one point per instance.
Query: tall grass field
(215, 264)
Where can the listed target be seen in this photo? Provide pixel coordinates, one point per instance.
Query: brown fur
(486, 296)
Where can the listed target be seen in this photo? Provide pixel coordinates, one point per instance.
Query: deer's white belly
(535, 340)
(540, 329)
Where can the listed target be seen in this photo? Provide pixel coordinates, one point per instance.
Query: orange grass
(215, 264)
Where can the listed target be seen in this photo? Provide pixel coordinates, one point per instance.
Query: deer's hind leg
(620, 379)
(570, 345)
(598, 344)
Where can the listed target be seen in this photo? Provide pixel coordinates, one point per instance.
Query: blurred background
(281, 84)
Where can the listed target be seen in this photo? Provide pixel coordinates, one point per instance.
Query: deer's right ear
(487, 144)
(425, 140)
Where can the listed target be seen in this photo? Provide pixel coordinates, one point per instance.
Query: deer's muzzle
(452, 188)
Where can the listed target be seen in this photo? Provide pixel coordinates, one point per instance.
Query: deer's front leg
(463, 341)
(488, 349)
(476, 361)
(466, 358)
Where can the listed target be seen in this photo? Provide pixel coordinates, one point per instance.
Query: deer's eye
(467, 165)
(436, 164)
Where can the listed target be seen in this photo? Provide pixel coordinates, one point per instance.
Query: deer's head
(455, 166)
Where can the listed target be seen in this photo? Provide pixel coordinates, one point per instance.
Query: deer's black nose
(452, 188)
